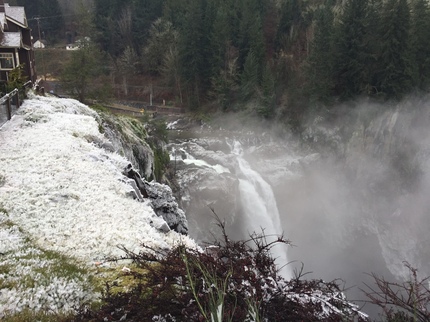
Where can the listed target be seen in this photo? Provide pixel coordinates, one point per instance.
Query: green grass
(30, 316)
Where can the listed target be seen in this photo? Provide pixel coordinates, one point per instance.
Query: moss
(30, 316)
(136, 131)
(7, 223)
(99, 108)
(51, 264)
(5, 269)
(161, 161)
(159, 130)
(117, 279)
(57, 265)
(138, 128)
(62, 265)
(101, 128)
(3, 210)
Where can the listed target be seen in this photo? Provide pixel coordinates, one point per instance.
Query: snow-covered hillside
(61, 191)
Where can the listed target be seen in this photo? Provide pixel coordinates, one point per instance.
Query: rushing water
(255, 210)
(354, 202)
(260, 211)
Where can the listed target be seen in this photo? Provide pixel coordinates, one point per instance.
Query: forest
(277, 58)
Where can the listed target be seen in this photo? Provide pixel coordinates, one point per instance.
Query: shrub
(230, 281)
(402, 302)
(16, 79)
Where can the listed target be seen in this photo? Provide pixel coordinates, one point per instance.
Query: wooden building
(15, 42)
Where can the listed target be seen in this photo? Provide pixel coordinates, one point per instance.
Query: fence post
(18, 103)
(9, 112)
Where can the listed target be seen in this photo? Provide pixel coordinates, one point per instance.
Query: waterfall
(260, 210)
(184, 156)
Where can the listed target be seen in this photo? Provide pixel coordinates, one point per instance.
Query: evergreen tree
(191, 51)
(220, 38)
(53, 24)
(320, 62)
(249, 79)
(224, 85)
(394, 73)
(106, 16)
(145, 13)
(373, 41)
(208, 46)
(250, 37)
(46, 15)
(290, 16)
(352, 51)
(225, 55)
(161, 37)
(268, 98)
(270, 23)
(421, 44)
(85, 28)
(31, 7)
(80, 73)
(175, 12)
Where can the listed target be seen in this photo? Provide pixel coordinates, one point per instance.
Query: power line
(49, 17)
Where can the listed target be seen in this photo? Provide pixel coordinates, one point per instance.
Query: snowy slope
(64, 191)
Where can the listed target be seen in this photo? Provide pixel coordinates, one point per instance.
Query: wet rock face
(170, 216)
(165, 206)
(127, 137)
(208, 186)
(206, 194)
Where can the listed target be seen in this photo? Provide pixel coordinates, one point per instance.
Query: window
(6, 61)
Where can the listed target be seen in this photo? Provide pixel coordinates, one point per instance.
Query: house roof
(11, 40)
(2, 20)
(16, 13)
(39, 44)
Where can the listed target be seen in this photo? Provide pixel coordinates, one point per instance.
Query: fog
(364, 206)
(352, 191)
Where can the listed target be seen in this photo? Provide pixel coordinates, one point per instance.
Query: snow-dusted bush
(231, 281)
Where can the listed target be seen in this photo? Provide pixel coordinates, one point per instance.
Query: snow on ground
(31, 278)
(64, 192)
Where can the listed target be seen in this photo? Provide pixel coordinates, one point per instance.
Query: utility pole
(40, 41)
(150, 95)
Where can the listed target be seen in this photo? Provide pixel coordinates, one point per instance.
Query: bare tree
(171, 69)
(408, 301)
(125, 25)
(126, 64)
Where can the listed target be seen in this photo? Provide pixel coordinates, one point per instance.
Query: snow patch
(68, 194)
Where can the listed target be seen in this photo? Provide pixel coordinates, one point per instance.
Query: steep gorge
(351, 191)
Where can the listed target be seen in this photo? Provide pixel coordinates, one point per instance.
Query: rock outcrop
(165, 206)
(128, 138)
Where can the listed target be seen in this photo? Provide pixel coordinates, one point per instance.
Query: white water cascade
(184, 156)
(259, 208)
